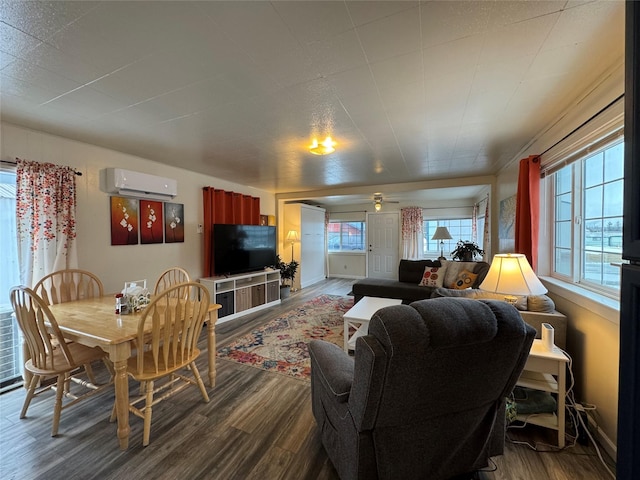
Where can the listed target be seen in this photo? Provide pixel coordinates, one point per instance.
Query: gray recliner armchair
(423, 396)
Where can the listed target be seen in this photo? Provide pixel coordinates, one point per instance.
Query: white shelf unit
(243, 293)
(546, 371)
(546, 383)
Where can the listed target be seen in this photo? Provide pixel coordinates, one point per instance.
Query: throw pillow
(454, 269)
(432, 277)
(464, 280)
(541, 303)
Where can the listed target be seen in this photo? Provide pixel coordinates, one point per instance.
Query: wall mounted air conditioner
(136, 184)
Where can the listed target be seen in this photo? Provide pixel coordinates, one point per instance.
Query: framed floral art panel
(173, 222)
(124, 221)
(150, 222)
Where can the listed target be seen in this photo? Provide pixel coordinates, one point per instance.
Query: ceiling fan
(377, 201)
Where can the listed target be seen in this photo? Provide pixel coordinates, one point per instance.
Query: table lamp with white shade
(441, 233)
(510, 274)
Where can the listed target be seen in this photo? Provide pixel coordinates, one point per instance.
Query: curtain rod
(348, 211)
(584, 123)
(9, 162)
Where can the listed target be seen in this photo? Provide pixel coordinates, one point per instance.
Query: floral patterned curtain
(486, 238)
(46, 219)
(412, 233)
(474, 222)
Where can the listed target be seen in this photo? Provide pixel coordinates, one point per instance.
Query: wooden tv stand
(243, 293)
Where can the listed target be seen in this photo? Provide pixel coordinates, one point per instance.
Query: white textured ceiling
(411, 91)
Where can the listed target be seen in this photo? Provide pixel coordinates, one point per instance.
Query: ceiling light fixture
(377, 206)
(324, 148)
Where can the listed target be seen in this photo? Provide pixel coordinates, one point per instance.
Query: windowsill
(599, 304)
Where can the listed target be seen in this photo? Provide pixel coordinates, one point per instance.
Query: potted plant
(287, 275)
(466, 251)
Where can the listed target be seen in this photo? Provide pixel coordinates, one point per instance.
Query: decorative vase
(285, 290)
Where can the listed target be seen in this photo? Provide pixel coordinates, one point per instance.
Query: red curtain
(528, 209)
(221, 206)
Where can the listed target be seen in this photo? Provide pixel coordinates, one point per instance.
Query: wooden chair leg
(89, 371)
(30, 392)
(112, 371)
(196, 375)
(57, 407)
(147, 414)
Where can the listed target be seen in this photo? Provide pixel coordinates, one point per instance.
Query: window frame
(449, 245)
(577, 231)
(342, 249)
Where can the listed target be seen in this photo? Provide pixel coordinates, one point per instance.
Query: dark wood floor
(257, 425)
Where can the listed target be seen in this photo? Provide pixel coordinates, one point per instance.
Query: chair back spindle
(68, 285)
(170, 277)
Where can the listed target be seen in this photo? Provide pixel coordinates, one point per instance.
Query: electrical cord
(573, 410)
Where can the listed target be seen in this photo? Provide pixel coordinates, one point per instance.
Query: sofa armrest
(333, 368)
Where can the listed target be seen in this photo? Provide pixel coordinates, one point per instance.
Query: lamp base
(511, 299)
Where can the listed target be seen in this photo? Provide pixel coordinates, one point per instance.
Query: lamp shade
(292, 236)
(511, 274)
(441, 233)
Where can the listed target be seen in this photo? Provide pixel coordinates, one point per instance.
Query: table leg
(346, 336)
(119, 358)
(562, 392)
(211, 346)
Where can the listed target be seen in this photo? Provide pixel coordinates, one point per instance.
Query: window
(347, 237)
(10, 363)
(459, 228)
(587, 217)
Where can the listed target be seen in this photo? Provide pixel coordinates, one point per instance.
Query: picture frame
(124, 221)
(151, 229)
(173, 222)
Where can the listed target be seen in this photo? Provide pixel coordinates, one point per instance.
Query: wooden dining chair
(67, 286)
(50, 355)
(168, 333)
(171, 276)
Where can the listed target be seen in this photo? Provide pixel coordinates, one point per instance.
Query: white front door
(384, 245)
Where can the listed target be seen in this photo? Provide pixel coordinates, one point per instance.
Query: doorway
(384, 245)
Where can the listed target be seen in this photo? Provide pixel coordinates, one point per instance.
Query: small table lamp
(511, 275)
(441, 234)
(292, 237)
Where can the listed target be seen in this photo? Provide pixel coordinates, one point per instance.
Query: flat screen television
(242, 248)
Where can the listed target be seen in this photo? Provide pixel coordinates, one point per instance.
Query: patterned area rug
(282, 345)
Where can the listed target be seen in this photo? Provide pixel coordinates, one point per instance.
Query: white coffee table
(359, 316)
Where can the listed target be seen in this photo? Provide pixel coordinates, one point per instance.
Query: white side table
(359, 316)
(547, 371)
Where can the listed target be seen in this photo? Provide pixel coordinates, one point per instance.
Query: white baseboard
(602, 438)
(354, 277)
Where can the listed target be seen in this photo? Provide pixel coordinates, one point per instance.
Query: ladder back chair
(50, 355)
(67, 286)
(171, 277)
(174, 319)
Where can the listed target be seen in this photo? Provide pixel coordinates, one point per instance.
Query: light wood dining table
(93, 322)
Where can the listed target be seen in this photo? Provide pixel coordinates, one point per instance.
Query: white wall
(117, 264)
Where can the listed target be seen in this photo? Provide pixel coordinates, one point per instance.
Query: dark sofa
(410, 273)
